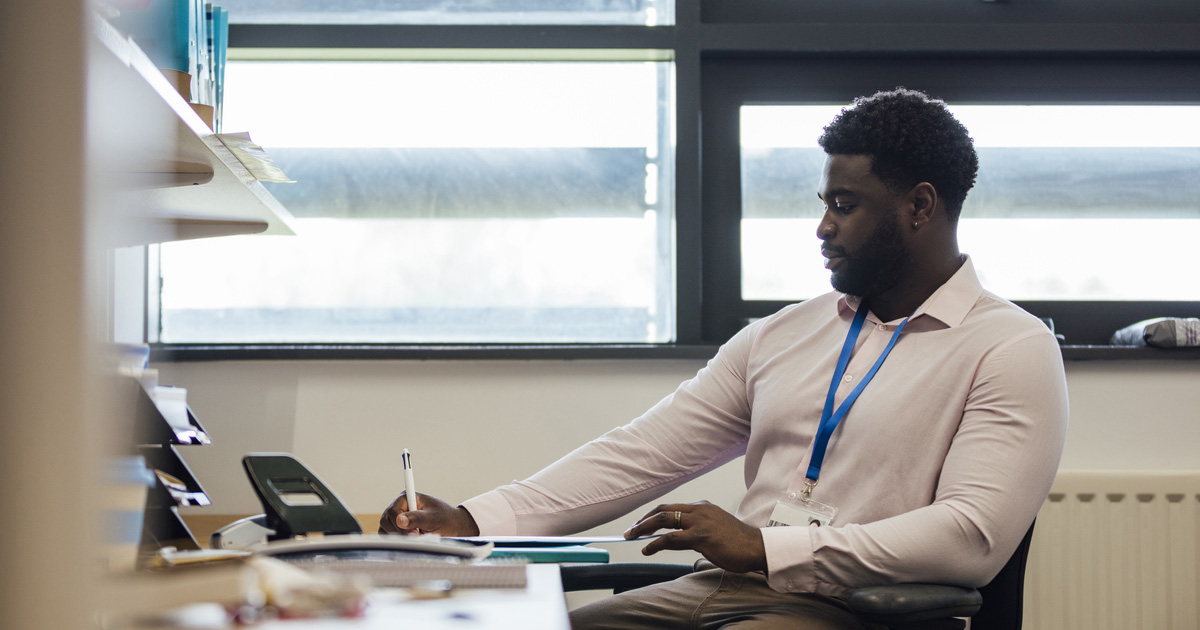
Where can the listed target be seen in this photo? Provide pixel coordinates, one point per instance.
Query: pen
(410, 486)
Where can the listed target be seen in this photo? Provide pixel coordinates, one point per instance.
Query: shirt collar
(949, 304)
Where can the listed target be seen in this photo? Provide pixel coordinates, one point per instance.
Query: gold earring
(915, 225)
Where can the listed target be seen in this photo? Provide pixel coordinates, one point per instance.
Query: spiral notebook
(411, 572)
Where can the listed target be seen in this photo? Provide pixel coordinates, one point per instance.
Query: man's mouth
(833, 257)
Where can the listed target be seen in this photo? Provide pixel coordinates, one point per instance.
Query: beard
(877, 265)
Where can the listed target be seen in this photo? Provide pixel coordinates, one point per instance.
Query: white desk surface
(540, 606)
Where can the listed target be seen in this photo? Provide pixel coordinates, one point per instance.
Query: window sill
(524, 352)
(1128, 353)
(425, 352)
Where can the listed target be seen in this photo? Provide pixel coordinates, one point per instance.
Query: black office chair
(996, 606)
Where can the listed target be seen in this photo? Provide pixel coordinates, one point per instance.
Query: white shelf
(171, 176)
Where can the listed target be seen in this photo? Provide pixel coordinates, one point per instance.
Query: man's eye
(844, 208)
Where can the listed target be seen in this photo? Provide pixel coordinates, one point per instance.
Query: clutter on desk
(1160, 332)
(158, 421)
(305, 557)
(557, 554)
(387, 570)
(162, 424)
(171, 557)
(249, 587)
(305, 524)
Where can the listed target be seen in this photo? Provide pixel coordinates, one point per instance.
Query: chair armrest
(899, 604)
(619, 576)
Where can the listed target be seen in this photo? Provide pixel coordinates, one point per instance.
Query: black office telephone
(302, 515)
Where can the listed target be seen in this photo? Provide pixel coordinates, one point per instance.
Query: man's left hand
(718, 535)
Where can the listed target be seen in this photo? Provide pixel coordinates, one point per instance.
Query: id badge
(801, 512)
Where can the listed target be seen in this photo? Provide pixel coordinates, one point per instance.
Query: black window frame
(756, 51)
(1058, 79)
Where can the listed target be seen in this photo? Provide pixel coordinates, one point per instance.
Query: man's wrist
(468, 521)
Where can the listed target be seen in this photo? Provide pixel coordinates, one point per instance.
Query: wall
(48, 419)
(475, 424)
(471, 425)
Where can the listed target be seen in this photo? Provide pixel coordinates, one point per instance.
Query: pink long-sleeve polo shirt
(936, 470)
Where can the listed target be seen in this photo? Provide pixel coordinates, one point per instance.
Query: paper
(550, 541)
(390, 572)
(172, 404)
(253, 157)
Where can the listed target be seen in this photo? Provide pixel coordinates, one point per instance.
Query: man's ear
(923, 201)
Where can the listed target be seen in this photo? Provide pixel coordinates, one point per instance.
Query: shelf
(184, 489)
(171, 177)
(163, 527)
(165, 418)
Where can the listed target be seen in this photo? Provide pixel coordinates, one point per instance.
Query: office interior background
(645, 258)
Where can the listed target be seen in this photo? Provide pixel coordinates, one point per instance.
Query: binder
(167, 31)
(407, 572)
(220, 48)
(567, 553)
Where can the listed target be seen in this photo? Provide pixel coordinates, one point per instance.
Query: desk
(540, 606)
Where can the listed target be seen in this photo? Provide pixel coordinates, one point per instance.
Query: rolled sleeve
(789, 559)
(493, 514)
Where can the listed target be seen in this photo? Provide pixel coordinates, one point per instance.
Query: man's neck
(905, 296)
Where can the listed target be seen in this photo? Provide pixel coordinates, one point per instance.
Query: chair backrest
(1004, 596)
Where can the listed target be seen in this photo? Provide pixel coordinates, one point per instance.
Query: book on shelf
(221, 49)
(204, 75)
(166, 31)
(400, 572)
(184, 38)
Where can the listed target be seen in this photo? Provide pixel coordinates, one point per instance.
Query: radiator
(1116, 550)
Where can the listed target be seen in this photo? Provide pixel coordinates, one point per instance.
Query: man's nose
(825, 228)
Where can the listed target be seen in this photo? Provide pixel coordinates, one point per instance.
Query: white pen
(410, 486)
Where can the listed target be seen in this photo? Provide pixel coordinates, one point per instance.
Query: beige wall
(49, 418)
(475, 424)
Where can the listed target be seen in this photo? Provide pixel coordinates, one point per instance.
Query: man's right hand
(432, 516)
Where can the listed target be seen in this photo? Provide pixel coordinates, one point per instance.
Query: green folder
(567, 553)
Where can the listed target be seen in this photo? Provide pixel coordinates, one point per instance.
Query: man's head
(899, 168)
(910, 139)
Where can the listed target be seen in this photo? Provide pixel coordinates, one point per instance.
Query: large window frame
(963, 80)
(774, 51)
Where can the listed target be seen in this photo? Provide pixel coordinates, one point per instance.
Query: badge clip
(791, 510)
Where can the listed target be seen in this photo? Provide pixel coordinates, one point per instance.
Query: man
(925, 463)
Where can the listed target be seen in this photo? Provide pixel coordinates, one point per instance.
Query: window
(643, 172)
(1084, 212)
(444, 202)
(635, 12)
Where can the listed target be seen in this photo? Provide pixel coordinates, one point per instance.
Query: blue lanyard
(831, 419)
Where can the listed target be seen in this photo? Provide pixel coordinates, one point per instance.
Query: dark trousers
(712, 598)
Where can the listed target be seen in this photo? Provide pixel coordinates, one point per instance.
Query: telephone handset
(302, 516)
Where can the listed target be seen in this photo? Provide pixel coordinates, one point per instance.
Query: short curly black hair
(910, 138)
